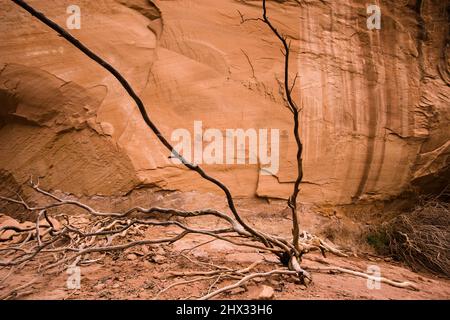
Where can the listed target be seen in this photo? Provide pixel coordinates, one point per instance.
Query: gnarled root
(70, 242)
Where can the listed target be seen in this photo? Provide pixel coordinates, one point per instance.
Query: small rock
(259, 279)
(200, 254)
(56, 224)
(238, 290)
(145, 250)
(159, 259)
(147, 264)
(116, 285)
(221, 246)
(266, 293)
(108, 128)
(11, 235)
(131, 256)
(148, 285)
(160, 251)
(99, 287)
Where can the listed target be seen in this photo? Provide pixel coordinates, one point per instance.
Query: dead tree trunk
(292, 202)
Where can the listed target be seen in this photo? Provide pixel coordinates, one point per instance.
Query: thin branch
(397, 284)
(246, 279)
(16, 291)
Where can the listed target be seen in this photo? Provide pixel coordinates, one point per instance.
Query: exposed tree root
(71, 242)
(246, 279)
(18, 292)
(397, 284)
(208, 275)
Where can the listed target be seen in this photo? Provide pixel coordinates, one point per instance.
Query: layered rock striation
(375, 103)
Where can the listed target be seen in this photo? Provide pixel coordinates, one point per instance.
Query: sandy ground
(141, 272)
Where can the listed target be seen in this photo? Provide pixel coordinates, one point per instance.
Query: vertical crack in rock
(376, 102)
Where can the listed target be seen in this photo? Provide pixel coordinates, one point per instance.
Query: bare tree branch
(292, 202)
(142, 111)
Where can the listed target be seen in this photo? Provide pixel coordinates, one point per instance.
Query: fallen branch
(246, 279)
(397, 284)
(14, 293)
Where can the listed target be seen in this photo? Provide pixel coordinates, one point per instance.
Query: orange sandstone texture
(375, 103)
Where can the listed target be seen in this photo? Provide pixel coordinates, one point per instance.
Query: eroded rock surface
(375, 103)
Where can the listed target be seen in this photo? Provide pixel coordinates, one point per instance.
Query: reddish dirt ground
(141, 272)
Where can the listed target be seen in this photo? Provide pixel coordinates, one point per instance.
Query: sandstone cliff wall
(375, 116)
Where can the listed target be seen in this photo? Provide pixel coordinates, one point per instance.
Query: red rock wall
(375, 102)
